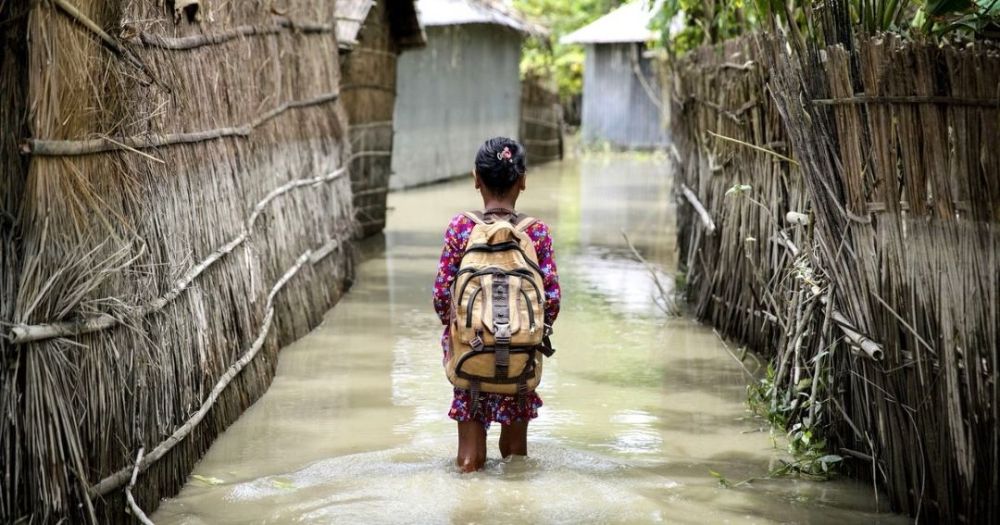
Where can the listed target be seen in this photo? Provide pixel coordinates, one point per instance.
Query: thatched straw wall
(369, 96)
(541, 121)
(179, 211)
(888, 299)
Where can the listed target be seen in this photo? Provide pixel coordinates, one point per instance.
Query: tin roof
(458, 12)
(628, 23)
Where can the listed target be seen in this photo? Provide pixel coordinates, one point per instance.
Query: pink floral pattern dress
(500, 408)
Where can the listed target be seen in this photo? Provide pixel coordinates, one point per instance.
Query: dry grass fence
(878, 305)
(541, 121)
(369, 90)
(175, 207)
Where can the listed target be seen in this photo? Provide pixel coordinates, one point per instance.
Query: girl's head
(500, 167)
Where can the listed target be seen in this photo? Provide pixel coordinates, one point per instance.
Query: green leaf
(208, 480)
(936, 8)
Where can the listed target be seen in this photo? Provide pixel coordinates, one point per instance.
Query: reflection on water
(638, 408)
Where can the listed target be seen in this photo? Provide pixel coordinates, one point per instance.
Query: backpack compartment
(475, 311)
(481, 366)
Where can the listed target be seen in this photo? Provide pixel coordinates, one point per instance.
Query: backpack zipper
(531, 311)
(468, 313)
(494, 269)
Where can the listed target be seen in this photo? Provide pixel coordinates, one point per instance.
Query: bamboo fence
(862, 252)
(541, 121)
(176, 205)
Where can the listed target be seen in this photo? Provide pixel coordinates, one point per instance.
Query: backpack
(498, 331)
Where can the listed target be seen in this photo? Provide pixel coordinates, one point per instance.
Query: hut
(621, 101)
(462, 88)
(371, 36)
(174, 206)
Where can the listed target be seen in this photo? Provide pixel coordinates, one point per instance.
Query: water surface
(639, 409)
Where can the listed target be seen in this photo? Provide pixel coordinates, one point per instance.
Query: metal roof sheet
(458, 12)
(628, 23)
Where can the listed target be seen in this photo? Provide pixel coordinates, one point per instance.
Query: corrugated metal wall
(460, 90)
(616, 106)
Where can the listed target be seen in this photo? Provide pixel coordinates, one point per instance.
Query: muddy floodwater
(639, 409)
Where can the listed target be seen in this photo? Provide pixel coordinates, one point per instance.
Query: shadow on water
(639, 409)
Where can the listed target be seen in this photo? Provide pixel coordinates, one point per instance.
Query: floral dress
(501, 408)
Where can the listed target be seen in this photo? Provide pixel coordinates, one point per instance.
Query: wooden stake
(132, 506)
(706, 219)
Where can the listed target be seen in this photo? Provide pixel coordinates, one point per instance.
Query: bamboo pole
(64, 148)
(87, 147)
(119, 478)
(132, 506)
(706, 218)
(23, 333)
(857, 339)
(885, 99)
(196, 41)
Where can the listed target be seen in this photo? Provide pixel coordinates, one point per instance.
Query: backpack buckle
(501, 355)
(477, 342)
(501, 331)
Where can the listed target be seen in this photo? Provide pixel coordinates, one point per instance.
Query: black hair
(500, 164)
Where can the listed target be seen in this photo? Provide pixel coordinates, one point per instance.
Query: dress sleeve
(539, 233)
(455, 239)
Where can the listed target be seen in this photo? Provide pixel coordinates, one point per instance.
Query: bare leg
(514, 439)
(471, 446)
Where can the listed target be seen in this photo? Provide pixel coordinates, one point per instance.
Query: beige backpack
(498, 332)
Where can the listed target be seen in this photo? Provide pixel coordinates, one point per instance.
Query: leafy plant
(806, 446)
(716, 20)
(547, 57)
(701, 22)
(963, 18)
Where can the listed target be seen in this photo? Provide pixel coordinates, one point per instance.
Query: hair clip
(505, 154)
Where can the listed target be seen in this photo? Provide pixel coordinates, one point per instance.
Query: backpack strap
(476, 217)
(523, 223)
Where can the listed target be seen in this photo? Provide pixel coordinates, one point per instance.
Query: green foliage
(779, 406)
(547, 57)
(703, 22)
(879, 15)
(711, 21)
(958, 18)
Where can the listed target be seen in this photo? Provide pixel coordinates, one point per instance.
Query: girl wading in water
(497, 293)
